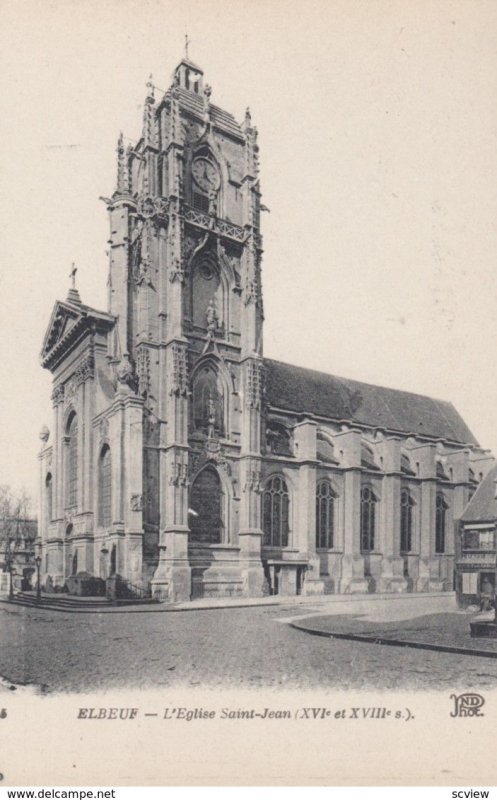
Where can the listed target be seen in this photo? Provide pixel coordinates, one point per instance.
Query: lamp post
(38, 587)
(12, 572)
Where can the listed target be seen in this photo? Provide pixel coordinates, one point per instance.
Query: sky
(377, 127)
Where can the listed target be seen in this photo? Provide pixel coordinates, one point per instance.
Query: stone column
(172, 579)
(348, 441)
(305, 451)
(392, 577)
(251, 480)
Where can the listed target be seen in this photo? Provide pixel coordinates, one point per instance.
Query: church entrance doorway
(206, 508)
(206, 526)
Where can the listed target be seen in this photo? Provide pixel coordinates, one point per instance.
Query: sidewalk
(394, 606)
(443, 632)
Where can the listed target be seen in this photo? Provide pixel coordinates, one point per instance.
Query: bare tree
(16, 524)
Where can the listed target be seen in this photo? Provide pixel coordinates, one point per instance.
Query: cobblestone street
(230, 647)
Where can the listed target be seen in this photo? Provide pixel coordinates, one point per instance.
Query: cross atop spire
(73, 294)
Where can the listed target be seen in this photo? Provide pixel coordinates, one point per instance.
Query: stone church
(182, 459)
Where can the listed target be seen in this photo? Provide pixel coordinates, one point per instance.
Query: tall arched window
(406, 506)
(440, 515)
(206, 293)
(72, 462)
(368, 519)
(206, 503)
(104, 487)
(208, 411)
(48, 498)
(276, 513)
(325, 515)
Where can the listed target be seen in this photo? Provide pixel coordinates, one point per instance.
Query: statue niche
(208, 403)
(207, 295)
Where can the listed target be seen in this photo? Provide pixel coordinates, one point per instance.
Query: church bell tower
(185, 288)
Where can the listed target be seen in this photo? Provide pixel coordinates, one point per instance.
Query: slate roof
(302, 390)
(483, 505)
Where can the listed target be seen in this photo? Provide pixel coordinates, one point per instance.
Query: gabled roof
(483, 505)
(302, 390)
(67, 323)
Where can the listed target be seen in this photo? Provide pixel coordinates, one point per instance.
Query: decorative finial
(187, 42)
(44, 434)
(248, 116)
(72, 275)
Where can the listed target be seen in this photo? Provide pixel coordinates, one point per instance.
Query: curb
(357, 637)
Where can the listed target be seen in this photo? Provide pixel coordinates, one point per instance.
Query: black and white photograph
(248, 485)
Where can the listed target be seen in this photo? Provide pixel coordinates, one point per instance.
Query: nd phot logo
(467, 705)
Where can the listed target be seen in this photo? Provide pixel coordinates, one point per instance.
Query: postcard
(247, 483)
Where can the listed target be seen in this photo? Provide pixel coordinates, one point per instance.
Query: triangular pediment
(64, 318)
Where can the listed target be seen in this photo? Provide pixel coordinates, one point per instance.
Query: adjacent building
(184, 460)
(476, 546)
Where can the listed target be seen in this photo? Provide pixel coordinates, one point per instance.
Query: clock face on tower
(206, 174)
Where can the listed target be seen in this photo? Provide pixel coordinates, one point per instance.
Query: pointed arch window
(208, 403)
(406, 521)
(104, 487)
(276, 513)
(72, 461)
(368, 519)
(325, 516)
(206, 506)
(440, 523)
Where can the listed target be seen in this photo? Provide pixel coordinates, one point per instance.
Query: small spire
(149, 125)
(150, 87)
(73, 294)
(122, 167)
(187, 42)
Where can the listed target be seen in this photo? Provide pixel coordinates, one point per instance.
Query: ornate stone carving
(146, 207)
(69, 390)
(143, 369)
(122, 167)
(136, 502)
(176, 273)
(211, 316)
(85, 369)
(253, 482)
(149, 207)
(210, 223)
(179, 385)
(213, 454)
(179, 476)
(126, 374)
(58, 394)
(255, 384)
